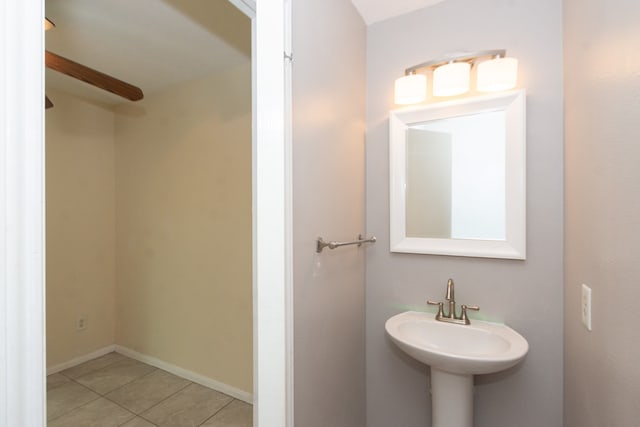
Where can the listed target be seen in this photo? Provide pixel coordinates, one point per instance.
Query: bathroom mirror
(457, 177)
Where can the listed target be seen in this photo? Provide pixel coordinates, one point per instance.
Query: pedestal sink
(455, 353)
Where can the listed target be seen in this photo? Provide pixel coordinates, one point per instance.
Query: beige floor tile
(67, 397)
(56, 380)
(99, 413)
(235, 414)
(115, 375)
(93, 365)
(147, 391)
(187, 408)
(138, 422)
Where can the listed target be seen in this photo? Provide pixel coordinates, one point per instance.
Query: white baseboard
(78, 360)
(184, 373)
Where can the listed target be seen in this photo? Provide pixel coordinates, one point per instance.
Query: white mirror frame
(514, 246)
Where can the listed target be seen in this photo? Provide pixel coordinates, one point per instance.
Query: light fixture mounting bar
(461, 57)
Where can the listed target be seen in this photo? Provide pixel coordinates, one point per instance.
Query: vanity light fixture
(451, 75)
(497, 74)
(411, 89)
(451, 79)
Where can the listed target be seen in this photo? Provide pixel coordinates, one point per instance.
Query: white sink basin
(478, 348)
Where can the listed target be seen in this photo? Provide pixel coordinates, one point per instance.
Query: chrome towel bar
(321, 244)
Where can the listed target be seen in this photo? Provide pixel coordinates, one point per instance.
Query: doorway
(149, 204)
(22, 234)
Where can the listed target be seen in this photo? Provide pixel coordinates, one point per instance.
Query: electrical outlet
(586, 306)
(81, 323)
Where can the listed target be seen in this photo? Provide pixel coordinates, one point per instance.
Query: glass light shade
(497, 74)
(451, 79)
(411, 89)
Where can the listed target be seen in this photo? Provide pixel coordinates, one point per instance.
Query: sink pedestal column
(451, 399)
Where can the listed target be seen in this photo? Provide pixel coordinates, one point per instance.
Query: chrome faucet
(451, 316)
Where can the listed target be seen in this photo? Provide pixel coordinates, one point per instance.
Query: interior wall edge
(81, 359)
(185, 373)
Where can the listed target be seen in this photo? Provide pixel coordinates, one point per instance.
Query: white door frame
(273, 269)
(22, 214)
(22, 347)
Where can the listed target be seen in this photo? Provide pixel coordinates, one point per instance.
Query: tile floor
(114, 390)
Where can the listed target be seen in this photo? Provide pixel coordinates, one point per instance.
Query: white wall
(525, 294)
(328, 201)
(602, 211)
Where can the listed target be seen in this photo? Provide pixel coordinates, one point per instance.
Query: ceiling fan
(88, 75)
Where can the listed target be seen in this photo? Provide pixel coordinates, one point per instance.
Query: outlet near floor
(81, 323)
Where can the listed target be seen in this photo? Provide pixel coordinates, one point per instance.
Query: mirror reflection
(455, 177)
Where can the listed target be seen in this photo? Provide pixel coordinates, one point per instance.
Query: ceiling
(373, 11)
(153, 44)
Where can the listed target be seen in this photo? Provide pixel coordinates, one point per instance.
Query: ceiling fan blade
(93, 77)
(48, 24)
(47, 103)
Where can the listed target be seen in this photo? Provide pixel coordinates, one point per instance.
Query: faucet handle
(440, 305)
(463, 315)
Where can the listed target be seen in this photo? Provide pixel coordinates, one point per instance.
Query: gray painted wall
(525, 294)
(328, 200)
(602, 211)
